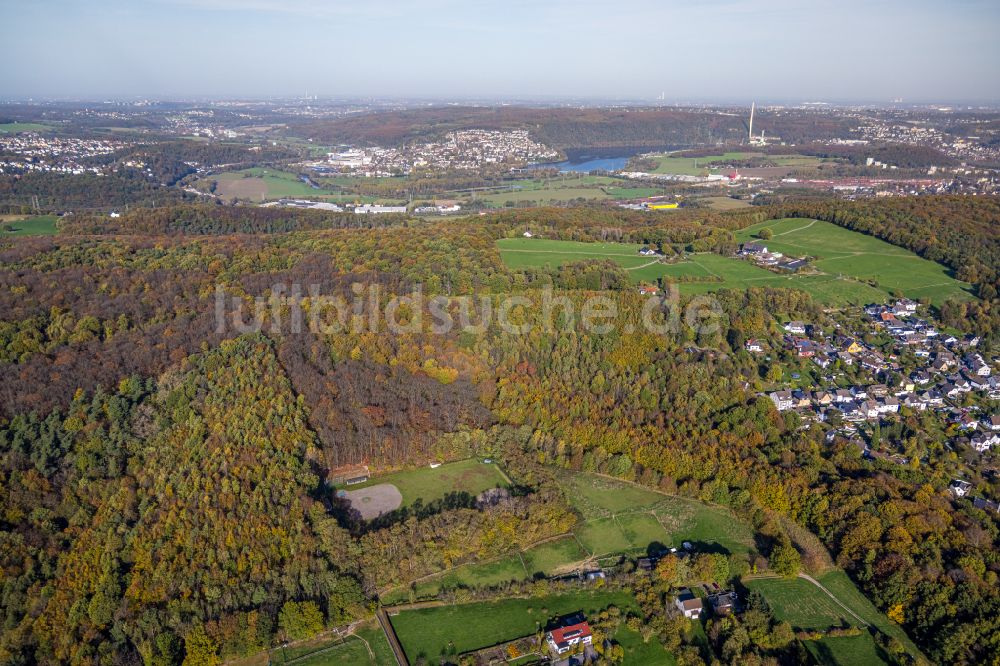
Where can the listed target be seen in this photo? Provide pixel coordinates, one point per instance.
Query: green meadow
(850, 268)
(431, 633)
(845, 253)
(40, 225)
(616, 518)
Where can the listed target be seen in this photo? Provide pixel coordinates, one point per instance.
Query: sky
(690, 50)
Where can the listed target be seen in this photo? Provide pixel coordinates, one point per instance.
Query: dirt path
(655, 261)
(792, 231)
(390, 634)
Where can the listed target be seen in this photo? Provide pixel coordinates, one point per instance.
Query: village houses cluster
(461, 150)
(29, 151)
(940, 371)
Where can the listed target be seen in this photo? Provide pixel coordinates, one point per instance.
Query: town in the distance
(499, 333)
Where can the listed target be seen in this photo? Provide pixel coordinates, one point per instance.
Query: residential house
(688, 604)
(959, 488)
(564, 639)
(983, 441)
(782, 400)
(795, 327)
(754, 346)
(723, 603)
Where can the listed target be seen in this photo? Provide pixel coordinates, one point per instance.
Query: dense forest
(163, 481)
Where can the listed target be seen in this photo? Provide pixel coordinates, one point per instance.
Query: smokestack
(750, 133)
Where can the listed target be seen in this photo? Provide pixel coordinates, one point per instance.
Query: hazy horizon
(714, 52)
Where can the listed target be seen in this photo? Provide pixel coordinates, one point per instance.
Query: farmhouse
(688, 604)
(753, 248)
(564, 639)
(647, 251)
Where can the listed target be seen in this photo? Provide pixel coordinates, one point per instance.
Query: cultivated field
(40, 225)
(427, 484)
(842, 252)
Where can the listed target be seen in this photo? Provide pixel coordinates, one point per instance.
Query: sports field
(428, 484)
(17, 225)
(430, 633)
(842, 252)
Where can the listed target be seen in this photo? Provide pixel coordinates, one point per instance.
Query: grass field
(427, 484)
(431, 632)
(805, 606)
(844, 588)
(847, 261)
(40, 225)
(801, 604)
(367, 645)
(847, 651)
(840, 251)
(259, 184)
(537, 252)
(617, 518)
(621, 517)
(14, 128)
(695, 166)
(724, 203)
(549, 558)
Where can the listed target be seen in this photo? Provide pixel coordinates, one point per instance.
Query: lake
(593, 159)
